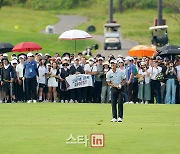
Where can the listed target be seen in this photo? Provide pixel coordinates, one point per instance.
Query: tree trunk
(120, 6)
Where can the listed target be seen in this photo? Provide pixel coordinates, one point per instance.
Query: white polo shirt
(19, 69)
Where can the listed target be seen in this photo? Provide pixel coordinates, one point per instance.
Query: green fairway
(44, 127)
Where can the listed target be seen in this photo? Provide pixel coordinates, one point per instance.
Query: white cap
(106, 63)
(58, 58)
(40, 54)
(5, 55)
(65, 58)
(119, 60)
(47, 54)
(14, 58)
(14, 61)
(113, 61)
(30, 54)
(100, 58)
(128, 58)
(91, 59)
(119, 56)
(48, 64)
(143, 63)
(21, 57)
(76, 59)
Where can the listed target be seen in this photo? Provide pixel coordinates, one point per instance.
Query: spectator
(31, 72)
(171, 73)
(53, 75)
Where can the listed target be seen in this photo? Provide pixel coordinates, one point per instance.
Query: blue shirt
(130, 69)
(30, 69)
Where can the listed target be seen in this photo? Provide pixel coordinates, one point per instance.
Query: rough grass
(135, 23)
(20, 25)
(44, 128)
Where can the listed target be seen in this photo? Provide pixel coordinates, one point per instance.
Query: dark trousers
(97, 92)
(155, 91)
(88, 94)
(135, 91)
(117, 98)
(130, 91)
(178, 93)
(76, 94)
(31, 88)
(65, 95)
(20, 92)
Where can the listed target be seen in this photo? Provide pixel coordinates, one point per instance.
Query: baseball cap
(14, 61)
(100, 58)
(30, 54)
(113, 61)
(5, 55)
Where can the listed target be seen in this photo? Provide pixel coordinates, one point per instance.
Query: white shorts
(52, 82)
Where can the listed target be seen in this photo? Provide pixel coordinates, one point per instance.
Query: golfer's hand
(129, 82)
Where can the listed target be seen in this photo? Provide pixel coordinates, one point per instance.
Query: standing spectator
(8, 75)
(105, 93)
(52, 82)
(20, 80)
(98, 81)
(65, 94)
(76, 94)
(155, 83)
(178, 81)
(1, 81)
(144, 90)
(171, 83)
(130, 78)
(31, 72)
(42, 78)
(90, 69)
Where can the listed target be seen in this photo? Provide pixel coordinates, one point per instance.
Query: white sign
(78, 81)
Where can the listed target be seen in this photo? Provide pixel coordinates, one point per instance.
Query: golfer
(116, 79)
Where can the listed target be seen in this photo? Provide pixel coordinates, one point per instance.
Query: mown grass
(44, 128)
(135, 23)
(20, 25)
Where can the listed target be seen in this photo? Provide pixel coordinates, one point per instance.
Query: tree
(120, 6)
(1, 3)
(174, 5)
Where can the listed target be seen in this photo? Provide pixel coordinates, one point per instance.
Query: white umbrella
(74, 35)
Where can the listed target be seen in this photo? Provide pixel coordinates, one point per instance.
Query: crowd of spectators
(42, 78)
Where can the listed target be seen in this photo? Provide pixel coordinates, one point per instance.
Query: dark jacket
(8, 73)
(73, 70)
(63, 75)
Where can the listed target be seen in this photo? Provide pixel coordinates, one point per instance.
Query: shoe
(34, 101)
(29, 101)
(114, 120)
(131, 102)
(54, 101)
(126, 103)
(146, 102)
(75, 101)
(62, 101)
(137, 102)
(119, 119)
(71, 101)
(142, 102)
(66, 101)
(1, 101)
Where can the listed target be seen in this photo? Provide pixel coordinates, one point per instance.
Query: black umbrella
(170, 51)
(5, 47)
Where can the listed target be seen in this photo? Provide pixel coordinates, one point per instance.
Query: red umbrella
(26, 46)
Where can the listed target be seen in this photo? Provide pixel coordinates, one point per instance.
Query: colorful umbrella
(26, 46)
(74, 35)
(5, 47)
(141, 50)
